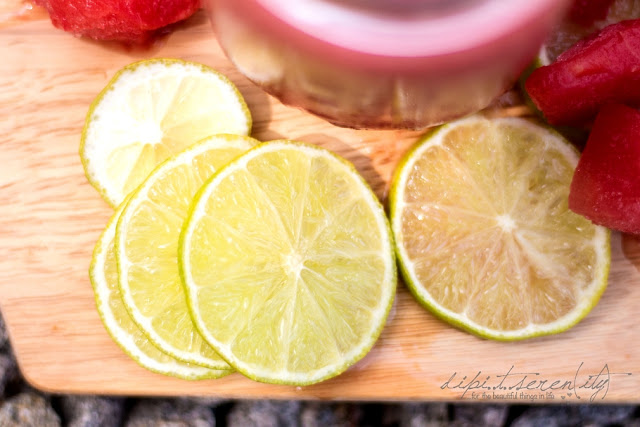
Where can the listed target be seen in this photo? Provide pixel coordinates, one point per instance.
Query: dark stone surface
(4, 335)
(211, 402)
(471, 415)
(548, 416)
(320, 414)
(424, 414)
(8, 371)
(170, 413)
(634, 422)
(28, 409)
(605, 414)
(264, 413)
(92, 411)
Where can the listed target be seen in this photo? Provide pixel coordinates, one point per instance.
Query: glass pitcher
(384, 63)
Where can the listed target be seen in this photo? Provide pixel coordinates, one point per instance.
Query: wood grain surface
(50, 218)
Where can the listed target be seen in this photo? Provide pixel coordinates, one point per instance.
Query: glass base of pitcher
(401, 113)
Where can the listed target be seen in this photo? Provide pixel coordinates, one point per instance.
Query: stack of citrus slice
(118, 322)
(276, 259)
(284, 251)
(146, 247)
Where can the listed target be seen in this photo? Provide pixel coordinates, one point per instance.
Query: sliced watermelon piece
(606, 184)
(133, 21)
(600, 69)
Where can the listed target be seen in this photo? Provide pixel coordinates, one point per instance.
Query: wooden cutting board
(50, 218)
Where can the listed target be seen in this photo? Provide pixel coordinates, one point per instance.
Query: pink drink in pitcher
(384, 63)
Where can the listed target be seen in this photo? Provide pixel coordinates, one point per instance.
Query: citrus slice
(149, 111)
(483, 233)
(104, 278)
(147, 248)
(569, 33)
(288, 264)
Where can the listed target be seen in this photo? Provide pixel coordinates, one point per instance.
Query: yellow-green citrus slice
(288, 264)
(149, 111)
(569, 33)
(104, 278)
(146, 247)
(483, 233)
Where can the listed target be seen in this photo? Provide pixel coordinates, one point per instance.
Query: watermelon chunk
(587, 12)
(606, 184)
(600, 69)
(132, 21)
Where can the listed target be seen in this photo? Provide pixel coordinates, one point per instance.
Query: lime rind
(149, 358)
(113, 196)
(215, 142)
(591, 294)
(390, 279)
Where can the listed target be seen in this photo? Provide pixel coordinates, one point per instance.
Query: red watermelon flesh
(606, 184)
(586, 12)
(600, 69)
(133, 21)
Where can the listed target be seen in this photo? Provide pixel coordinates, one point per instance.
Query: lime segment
(483, 232)
(149, 111)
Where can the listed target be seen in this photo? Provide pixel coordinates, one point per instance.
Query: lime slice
(104, 278)
(484, 235)
(149, 111)
(569, 33)
(147, 244)
(288, 264)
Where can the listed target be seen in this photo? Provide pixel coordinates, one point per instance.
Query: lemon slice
(288, 264)
(147, 244)
(104, 278)
(149, 111)
(483, 233)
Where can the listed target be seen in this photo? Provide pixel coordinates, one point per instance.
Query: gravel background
(23, 406)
